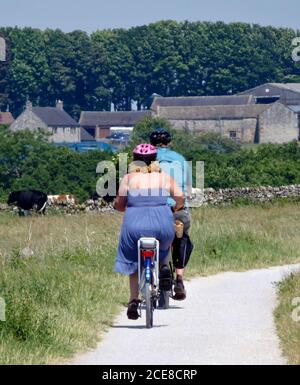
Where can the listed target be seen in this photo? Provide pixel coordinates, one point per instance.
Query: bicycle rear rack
(148, 248)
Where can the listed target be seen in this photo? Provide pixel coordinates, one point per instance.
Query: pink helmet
(145, 149)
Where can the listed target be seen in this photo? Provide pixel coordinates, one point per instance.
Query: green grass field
(288, 327)
(61, 298)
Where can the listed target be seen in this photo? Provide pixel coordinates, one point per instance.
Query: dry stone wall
(257, 194)
(210, 197)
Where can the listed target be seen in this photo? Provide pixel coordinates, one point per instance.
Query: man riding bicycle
(176, 166)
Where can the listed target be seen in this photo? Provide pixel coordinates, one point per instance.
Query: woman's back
(147, 197)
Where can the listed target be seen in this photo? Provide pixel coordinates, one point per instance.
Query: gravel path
(226, 319)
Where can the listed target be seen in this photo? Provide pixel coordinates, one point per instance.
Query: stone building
(54, 120)
(98, 125)
(252, 123)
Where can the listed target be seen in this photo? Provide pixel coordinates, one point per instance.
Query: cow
(28, 200)
(60, 199)
(107, 198)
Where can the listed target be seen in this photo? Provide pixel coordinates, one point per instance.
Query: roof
(86, 136)
(54, 117)
(191, 101)
(213, 112)
(6, 118)
(111, 119)
(294, 87)
(295, 109)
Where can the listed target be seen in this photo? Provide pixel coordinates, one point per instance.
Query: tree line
(122, 67)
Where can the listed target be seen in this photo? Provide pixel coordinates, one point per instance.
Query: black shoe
(180, 292)
(132, 311)
(165, 278)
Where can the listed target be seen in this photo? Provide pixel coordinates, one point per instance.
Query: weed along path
(226, 319)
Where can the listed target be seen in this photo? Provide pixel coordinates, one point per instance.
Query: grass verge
(64, 294)
(287, 316)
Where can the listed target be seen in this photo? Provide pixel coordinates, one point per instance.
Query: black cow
(107, 198)
(27, 200)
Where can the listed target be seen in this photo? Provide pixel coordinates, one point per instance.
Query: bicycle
(148, 270)
(148, 279)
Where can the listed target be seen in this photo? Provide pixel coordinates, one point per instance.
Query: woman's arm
(121, 199)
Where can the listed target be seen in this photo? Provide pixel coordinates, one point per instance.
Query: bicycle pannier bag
(182, 250)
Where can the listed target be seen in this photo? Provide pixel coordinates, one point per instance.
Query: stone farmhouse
(98, 125)
(237, 117)
(54, 120)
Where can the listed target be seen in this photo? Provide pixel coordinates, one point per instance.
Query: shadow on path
(136, 326)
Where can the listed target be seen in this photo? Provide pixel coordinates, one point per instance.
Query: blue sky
(90, 15)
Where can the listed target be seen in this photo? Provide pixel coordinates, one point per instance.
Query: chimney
(28, 105)
(60, 104)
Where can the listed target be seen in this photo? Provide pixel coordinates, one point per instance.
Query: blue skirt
(144, 217)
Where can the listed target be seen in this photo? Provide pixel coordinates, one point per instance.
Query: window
(267, 99)
(73, 130)
(232, 135)
(54, 130)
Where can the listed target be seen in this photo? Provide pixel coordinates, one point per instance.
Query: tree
(28, 72)
(122, 67)
(145, 127)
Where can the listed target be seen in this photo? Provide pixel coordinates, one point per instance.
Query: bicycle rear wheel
(149, 306)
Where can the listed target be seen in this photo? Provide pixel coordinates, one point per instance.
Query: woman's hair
(140, 166)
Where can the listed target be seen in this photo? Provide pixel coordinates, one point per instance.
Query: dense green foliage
(237, 166)
(29, 161)
(228, 164)
(123, 66)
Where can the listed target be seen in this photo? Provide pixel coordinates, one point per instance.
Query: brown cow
(63, 198)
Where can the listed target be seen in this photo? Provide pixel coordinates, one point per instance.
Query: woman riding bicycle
(143, 194)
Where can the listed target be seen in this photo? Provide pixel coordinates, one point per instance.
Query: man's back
(174, 164)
